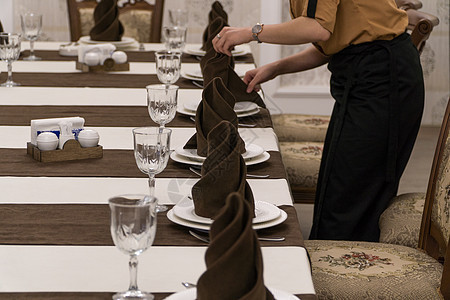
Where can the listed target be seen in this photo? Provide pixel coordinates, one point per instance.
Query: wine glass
(31, 27)
(133, 228)
(178, 17)
(174, 38)
(162, 103)
(151, 152)
(168, 66)
(9, 52)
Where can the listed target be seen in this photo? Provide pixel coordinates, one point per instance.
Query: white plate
(239, 107)
(264, 212)
(195, 50)
(191, 294)
(249, 162)
(184, 111)
(180, 221)
(252, 151)
(124, 42)
(198, 76)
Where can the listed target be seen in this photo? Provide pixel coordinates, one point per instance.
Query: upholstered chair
(363, 270)
(141, 20)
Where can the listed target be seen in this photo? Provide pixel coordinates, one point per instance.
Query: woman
(377, 83)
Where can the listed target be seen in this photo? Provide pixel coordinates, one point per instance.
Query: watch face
(257, 28)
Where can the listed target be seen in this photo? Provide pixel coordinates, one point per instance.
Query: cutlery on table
(188, 285)
(240, 124)
(205, 238)
(197, 84)
(193, 170)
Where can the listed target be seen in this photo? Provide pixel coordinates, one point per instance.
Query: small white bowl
(88, 138)
(47, 141)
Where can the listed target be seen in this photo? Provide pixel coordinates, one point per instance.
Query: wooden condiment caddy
(71, 151)
(108, 66)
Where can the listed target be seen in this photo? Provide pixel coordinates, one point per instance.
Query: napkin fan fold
(216, 11)
(221, 65)
(233, 259)
(217, 105)
(213, 29)
(107, 25)
(223, 171)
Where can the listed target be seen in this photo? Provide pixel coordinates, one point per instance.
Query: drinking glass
(9, 52)
(168, 66)
(133, 228)
(174, 38)
(151, 152)
(178, 17)
(31, 27)
(162, 103)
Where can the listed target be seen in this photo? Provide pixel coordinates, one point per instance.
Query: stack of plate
(242, 109)
(253, 155)
(195, 50)
(126, 44)
(266, 215)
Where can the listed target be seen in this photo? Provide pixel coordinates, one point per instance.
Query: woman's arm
(301, 30)
(307, 59)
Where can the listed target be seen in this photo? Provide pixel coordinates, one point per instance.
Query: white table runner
(105, 268)
(97, 190)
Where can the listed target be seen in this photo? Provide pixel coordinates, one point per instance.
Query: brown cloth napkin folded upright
(107, 25)
(222, 66)
(234, 264)
(223, 171)
(213, 29)
(217, 105)
(216, 11)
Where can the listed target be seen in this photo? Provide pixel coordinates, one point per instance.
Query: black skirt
(379, 93)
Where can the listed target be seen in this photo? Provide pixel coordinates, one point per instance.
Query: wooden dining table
(55, 240)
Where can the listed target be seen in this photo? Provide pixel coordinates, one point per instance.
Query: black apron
(379, 93)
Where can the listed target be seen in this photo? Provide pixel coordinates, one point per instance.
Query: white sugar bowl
(88, 138)
(47, 141)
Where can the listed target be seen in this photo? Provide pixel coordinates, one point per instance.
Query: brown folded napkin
(212, 30)
(221, 65)
(217, 105)
(233, 259)
(216, 11)
(223, 171)
(107, 25)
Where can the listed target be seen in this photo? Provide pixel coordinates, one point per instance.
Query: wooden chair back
(421, 25)
(435, 228)
(141, 20)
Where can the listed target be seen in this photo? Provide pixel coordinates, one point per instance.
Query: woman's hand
(255, 77)
(229, 37)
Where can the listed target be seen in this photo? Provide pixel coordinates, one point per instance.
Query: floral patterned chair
(141, 20)
(363, 270)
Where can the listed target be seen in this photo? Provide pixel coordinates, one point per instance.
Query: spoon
(248, 175)
(188, 285)
(205, 239)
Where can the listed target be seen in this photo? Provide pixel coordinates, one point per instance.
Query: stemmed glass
(133, 228)
(31, 27)
(9, 52)
(168, 66)
(174, 38)
(178, 17)
(151, 152)
(162, 103)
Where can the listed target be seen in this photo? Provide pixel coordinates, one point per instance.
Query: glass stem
(133, 264)
(151, 184)
(9, 72)
(31, 48)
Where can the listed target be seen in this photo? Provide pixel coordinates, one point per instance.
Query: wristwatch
(256, 30)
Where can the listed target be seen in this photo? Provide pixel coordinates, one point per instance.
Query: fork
(248, 175)
(240, 124)
(205, 239)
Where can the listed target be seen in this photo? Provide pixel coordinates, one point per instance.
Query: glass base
(32, 57)
(133, 295)
(9, 84)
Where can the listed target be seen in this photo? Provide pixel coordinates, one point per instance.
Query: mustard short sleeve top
(352, 22)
